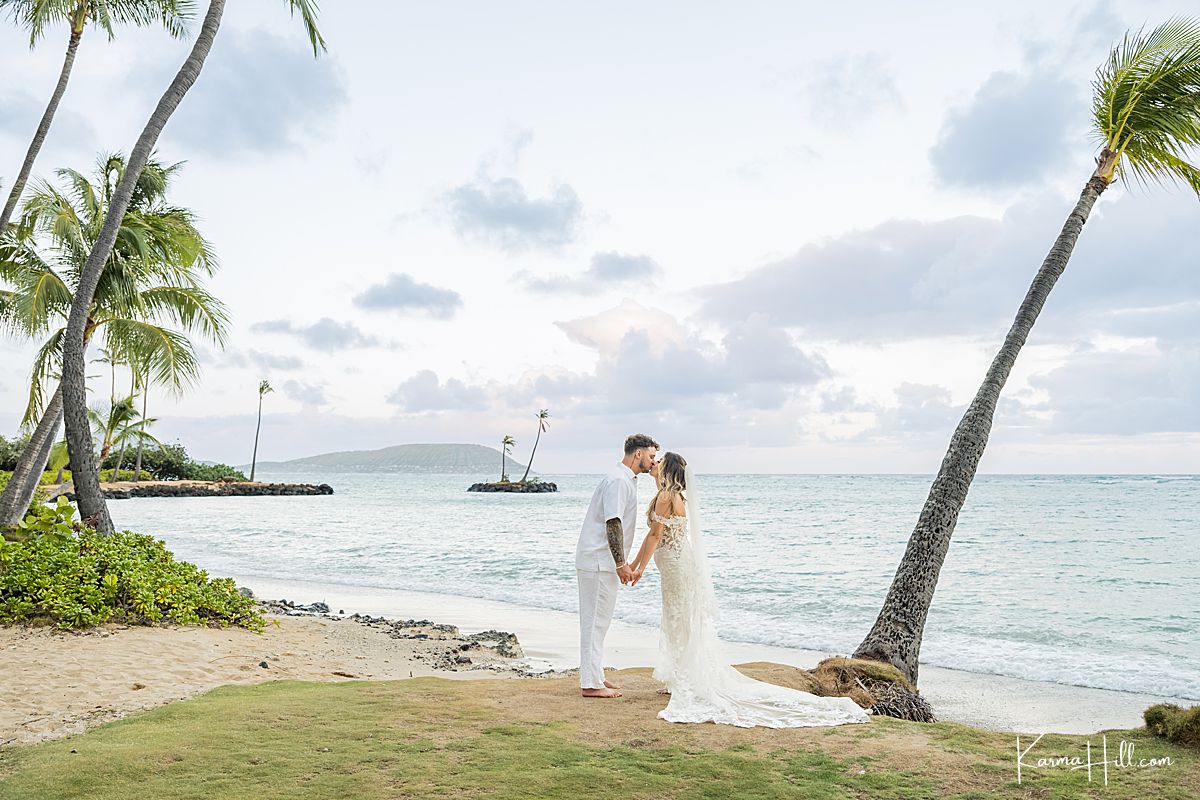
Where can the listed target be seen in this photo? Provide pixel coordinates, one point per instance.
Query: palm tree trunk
(257, 428)
(503, 467)
(43, 128)
(896, 636)
(137, 466)
(529, 466)
(74, 384)
(28, 472)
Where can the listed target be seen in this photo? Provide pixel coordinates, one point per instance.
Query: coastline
(550, 641)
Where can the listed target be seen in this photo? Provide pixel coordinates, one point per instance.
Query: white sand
(552, 637)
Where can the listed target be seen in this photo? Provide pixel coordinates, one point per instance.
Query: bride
(703, 688)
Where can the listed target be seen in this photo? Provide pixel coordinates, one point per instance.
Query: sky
(778, 239)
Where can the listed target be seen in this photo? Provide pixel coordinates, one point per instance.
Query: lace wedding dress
(703, 687)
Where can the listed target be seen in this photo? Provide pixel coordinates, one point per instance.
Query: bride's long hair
(672, 479)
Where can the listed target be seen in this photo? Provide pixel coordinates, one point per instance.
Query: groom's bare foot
(611, 685)
(663, 690)
(605, 692)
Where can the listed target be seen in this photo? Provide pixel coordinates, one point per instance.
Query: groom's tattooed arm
(616, 540)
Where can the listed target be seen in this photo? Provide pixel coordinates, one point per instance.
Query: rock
(540, 487)
(505, 644)
(264, 665)
(245, 591)
(221, 488)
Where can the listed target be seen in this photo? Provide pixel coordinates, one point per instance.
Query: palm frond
(308, 10)
(193, 308)
(163, 355)
(1146, 107)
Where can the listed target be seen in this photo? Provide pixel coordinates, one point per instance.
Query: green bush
(171, 462)
(1178, 725)
(106, 475)
(11, 449)
(52, 568)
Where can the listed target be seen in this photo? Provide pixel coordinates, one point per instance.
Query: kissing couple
(702, 686)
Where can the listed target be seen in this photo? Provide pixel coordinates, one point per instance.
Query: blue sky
(779, 239)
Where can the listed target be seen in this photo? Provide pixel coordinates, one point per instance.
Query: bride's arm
(649, 545)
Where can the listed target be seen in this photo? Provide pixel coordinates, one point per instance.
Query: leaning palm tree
(542, 416)
(1146, 117)
(79, 438)
(37, 15)
(263, 388)
(505, 448)
(149, 298)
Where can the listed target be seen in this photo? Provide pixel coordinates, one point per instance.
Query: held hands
(630, 574)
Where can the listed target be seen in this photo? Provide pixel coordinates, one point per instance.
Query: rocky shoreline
(440, 646)
(126, 490)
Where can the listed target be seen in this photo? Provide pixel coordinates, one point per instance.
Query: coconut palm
(1146, 118)
(79, 439)
(152, 281)
(119, 424)
(263, 388)
(505, 450)
(37, 15)
(542, 416)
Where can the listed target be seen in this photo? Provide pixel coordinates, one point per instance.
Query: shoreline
(550, 640)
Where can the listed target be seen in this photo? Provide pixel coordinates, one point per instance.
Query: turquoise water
(1087, 580)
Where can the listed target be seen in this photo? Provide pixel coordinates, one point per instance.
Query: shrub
(106, 475)
(11, 449)
(1175, 724)
(53, 568)
(171, 462)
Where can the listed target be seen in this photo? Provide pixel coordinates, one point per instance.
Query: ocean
(1084, 580)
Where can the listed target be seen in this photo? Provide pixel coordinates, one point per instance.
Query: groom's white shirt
(615, 497)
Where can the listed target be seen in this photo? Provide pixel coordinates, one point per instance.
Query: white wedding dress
(704, 688)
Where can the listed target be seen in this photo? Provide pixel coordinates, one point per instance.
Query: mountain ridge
(449, 458)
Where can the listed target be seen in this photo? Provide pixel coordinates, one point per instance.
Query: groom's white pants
(597, 599)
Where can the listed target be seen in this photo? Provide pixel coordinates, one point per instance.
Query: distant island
(452, 459)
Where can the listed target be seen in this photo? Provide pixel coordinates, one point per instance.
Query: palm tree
(506, 448)
(1146, 117)
(153, 279)
(37, 15)
(542, 416)
(263, 388)
(144, 385)
(74, 394)
(119, 424)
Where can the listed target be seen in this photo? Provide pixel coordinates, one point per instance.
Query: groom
(601, 558)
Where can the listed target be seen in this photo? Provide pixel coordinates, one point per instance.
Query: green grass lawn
(432, 737)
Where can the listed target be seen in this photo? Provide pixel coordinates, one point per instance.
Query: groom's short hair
(639, 441)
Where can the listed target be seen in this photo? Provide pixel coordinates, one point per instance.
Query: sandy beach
(61, 683)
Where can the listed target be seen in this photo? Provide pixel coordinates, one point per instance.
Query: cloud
(848, 88)
(1146, 389)
(324, 334)
(306, 394)
(274, 360)
(20, 113)
(607, 270)
(423, 392)
(1015, 131)
(399, 292)
(500, 213)
(259, 93)
(966, 276)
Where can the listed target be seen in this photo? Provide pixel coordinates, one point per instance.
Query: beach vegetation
(74, 338)
(1175, 724)
(54, 570)
(148, 303)
(1146, 121)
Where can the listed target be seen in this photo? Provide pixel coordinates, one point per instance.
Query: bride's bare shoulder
(678, 508)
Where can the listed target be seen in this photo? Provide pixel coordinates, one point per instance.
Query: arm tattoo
(616, 540)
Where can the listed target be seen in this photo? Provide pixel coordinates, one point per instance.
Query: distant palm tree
(37, 15)
(542, 416)
(505, 449)
(152, 281)
(263, 388)
(89, 498)
(1146, 117)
